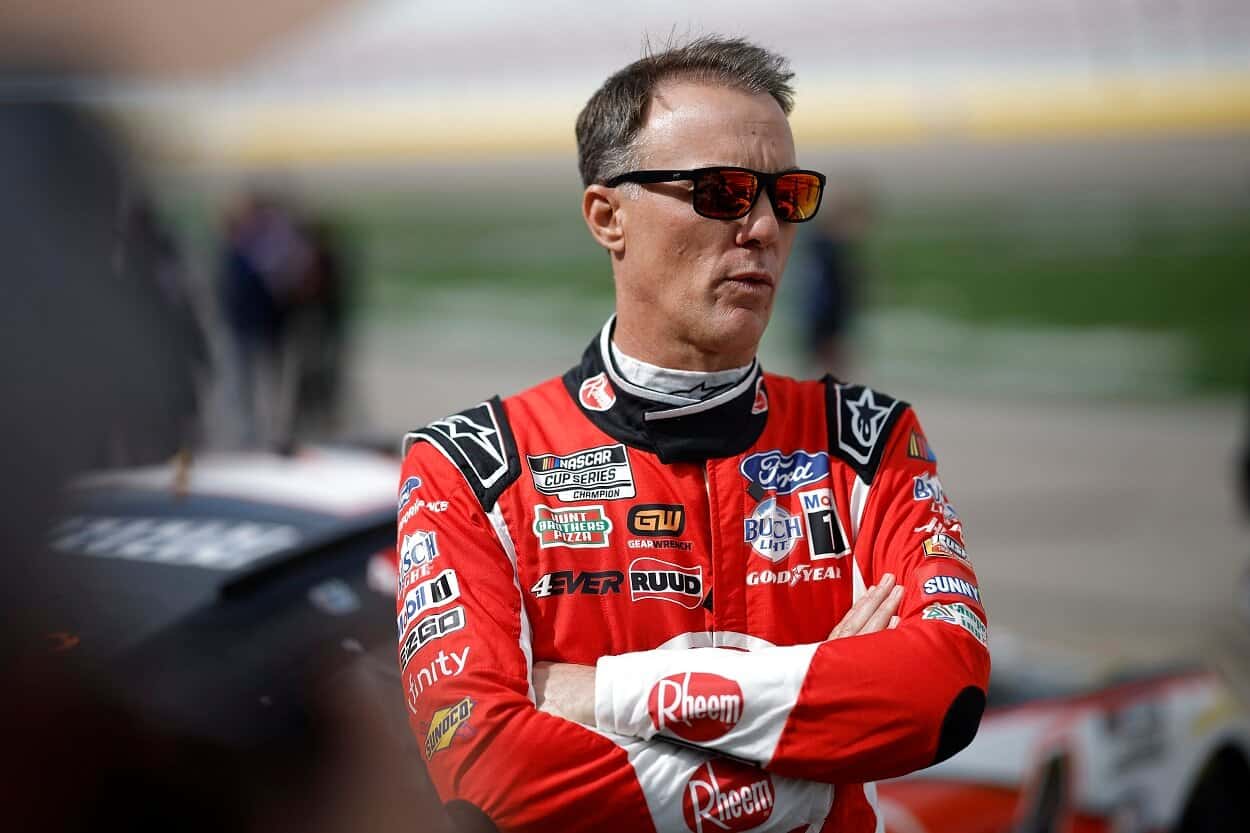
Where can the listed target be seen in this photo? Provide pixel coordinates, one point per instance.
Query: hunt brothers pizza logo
(584, 526)
(727, 796)
(695, 706)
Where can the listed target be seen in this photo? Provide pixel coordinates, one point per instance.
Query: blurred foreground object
(1068, 746)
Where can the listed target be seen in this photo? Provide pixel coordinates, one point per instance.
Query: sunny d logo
(695, 706)
(771, 530)
(783, 473)
(723, 795)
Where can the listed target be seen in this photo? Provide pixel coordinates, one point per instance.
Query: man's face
(706, 284)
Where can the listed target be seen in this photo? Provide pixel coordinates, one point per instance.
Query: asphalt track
(1112, 528)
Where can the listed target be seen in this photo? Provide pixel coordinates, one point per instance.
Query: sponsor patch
(798, 574)
(959, 614)
(771, 530)
(695, 706)
(651, 578)
(406, 490)
(928, 487)
(918, 447)
(445, 664)
(657, 519)
(939, 585)
(783, 473)
(935, 526)
(601, 473)
(760, 405)
(660, 544)
(444, 724)
(435, 626)
(723, 796)
(596, 393)
(416, 553)
(577, 527)
(426, 595)
(944, 546)
(568, 582)
(826, 538)
(418, 505)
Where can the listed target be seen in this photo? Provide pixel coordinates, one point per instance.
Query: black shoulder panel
(860, 420)
(479, 442)
(959, 726)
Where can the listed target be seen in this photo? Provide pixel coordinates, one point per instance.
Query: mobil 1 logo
(826, 537)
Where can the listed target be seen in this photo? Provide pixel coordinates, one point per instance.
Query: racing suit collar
(720, 426)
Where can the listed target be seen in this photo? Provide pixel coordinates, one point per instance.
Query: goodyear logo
(444, 724)
(657, 519)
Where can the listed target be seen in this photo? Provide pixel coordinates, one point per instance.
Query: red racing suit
(699, 556)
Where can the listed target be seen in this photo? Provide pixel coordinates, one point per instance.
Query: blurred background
(364, 215)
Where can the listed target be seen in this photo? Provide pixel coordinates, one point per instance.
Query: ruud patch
(651, 578)
(601, 473)
(576, 527)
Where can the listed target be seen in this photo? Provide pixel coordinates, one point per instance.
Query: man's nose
(760, 228)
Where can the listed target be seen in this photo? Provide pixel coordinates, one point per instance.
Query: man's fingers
(881, 617)
(863, 610)
(894, 620)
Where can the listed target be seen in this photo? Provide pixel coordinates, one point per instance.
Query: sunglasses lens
(725, 195)
(798, 197)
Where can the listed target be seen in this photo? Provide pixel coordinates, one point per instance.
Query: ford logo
(783, 473)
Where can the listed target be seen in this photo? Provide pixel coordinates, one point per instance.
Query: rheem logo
(695, 706)
(730, 797)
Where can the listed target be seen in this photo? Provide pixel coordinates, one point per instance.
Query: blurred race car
(230, 612)
(1065, 748)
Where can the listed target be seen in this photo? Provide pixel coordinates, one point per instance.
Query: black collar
(724, 425)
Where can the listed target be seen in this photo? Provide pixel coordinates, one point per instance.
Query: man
(668, 591)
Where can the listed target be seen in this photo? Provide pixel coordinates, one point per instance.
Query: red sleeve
(466, 674)
(885, 704)
(466, 669)
(862, 708)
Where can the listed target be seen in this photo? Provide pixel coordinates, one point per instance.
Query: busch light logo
(406, 490)
(772, 531)
(724, 795)
(694, 706)
(783, 473)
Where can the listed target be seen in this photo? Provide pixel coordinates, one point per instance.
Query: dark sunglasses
(728, 193)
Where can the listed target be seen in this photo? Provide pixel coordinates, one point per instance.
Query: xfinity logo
(783, 473)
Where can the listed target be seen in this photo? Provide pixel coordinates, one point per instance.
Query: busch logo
(722, 795)
(596, 393)
(771, 531)
(694, 706)
(651, 578)
(783, 473)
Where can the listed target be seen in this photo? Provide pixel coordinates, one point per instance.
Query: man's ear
(601, 208)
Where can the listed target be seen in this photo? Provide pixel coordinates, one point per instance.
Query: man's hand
(873, 612)
(566, 690)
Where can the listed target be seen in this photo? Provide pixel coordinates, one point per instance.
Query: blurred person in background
(833, 275)
(666, 493)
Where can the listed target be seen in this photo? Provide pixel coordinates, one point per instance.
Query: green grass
(1065, 262)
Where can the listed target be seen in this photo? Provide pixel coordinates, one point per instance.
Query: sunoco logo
(651, 578)
(783, 473)
(601, 473)
(584, 526)
(444, 724)
(722, 795)
(772, 531)
(695, 706)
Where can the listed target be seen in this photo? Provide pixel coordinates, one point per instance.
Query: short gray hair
(611, 119)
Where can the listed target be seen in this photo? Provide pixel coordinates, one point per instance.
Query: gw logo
(657, 519)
